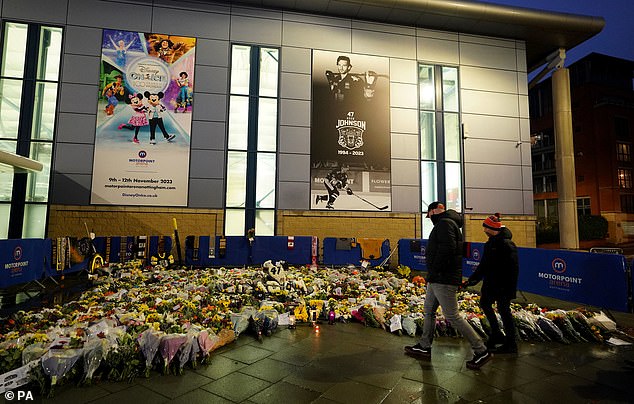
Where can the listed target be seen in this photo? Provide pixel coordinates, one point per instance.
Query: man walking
(444, 266)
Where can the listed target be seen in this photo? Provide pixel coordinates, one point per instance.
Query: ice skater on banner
(335, 180)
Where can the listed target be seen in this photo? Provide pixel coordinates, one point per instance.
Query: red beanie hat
(493, 222)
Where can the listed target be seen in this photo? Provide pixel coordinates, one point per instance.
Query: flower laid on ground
(138, 320)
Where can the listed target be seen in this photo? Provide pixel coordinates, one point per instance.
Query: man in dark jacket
(499, 270)
(444, 276)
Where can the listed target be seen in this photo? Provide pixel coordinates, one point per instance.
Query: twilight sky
(616, 38)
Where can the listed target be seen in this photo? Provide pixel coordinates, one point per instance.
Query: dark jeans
(504, 308)
(153, 123)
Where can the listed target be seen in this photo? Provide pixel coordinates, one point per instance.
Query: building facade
(455, 109)
(602, 100)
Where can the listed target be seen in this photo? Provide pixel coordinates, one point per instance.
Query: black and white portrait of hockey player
(350, 132)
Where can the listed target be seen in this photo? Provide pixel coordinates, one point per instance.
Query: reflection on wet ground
(350, 363)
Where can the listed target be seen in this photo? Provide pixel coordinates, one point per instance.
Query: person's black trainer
(418, 351)
(479, 359)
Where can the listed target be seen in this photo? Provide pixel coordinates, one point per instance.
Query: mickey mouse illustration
(155, 113)
(138, 119)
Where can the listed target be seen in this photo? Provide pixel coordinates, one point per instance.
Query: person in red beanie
(498, 271)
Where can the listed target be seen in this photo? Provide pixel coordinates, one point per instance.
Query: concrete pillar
(565, 160)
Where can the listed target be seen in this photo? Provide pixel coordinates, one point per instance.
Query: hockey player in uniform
(335, 180)
(349, 87)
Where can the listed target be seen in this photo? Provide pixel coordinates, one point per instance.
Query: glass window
(453, 186)
(234, 222)
(10, 99)
(265, 222)
(269, 66)
(34, 221)
(429, 188)
(627, 204)
(49, 53)
(583, 207)
(5, 213)
(427, 87)
(427, 135)
(623, 152)
(236, 179)
(452, 137)
(238, 122)
(240, 69)
(267, 124)
(625, 178)
(440, 137)
(13, 54)
(6, 176)
(540, 208)
(44, 111)
(37, 183)
(258, 142)
(450, 89)
(265, 182)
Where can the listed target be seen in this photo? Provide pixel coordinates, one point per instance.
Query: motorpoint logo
(475, 254)
(559, 265)
(142, 154)
(17, 253)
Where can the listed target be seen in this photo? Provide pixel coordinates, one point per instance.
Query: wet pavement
(350, 363)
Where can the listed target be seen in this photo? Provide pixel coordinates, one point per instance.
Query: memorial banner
(350, 132)
(142, 138)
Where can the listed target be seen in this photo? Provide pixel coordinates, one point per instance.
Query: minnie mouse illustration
(138, 119)
(155, 112)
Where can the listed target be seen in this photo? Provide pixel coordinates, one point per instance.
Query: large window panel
(37, 183)
(6, 177)
(427, 135)
(269, 72)
(267, 125)
(240, 69)
(34, 220)
(427, 87)
(265, 182)
(452, 137)
(44, 111)
(238, 122)
(13, 55)
(265, 222)
(453, 186)
(450, 89)
(234, 222)
(252, 141)
(429, 185)
(49, 53)
(441, 139)
(5, 213)
(10, 100)
(236, 180)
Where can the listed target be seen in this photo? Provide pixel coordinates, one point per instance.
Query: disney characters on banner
(145, 79)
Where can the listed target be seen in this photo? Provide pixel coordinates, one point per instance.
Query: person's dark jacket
(444, 249)
(499, 267)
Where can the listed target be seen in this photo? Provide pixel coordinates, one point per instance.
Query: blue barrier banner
(201, 255)
(335, 253)
(296, 250)
(595, 279)
(411, 252)
(236, 252)
(23, 260)
(589, 278)
(471, 260)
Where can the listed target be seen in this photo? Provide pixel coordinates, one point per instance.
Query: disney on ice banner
(350, 132)
(144, 118)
